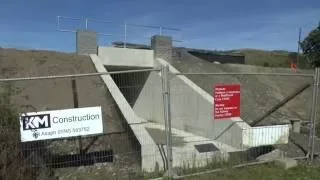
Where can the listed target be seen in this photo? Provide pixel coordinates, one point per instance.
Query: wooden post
(76, 105)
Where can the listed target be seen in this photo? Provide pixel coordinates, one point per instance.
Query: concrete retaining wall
(112, 56)
(191, 111)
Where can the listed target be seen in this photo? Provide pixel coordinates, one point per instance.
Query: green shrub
(14, 163)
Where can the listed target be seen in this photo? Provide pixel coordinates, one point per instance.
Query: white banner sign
(43, 125)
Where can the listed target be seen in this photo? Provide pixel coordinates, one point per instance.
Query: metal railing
(126, 26)
(85, 21)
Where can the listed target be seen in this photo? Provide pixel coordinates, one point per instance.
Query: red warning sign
(226, 101)
(294, 67)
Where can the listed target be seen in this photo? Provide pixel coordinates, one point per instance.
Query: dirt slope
(54, 94)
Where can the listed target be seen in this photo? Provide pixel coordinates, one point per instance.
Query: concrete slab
(184, 146)
(273, 155)
(286, 163)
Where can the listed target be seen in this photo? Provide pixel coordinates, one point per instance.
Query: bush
(13, 161)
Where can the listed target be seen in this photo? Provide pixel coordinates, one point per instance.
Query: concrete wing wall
(191, 109)
(112, 56)
(149, 104)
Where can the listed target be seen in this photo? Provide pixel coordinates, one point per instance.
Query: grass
(272, 58)
(264, 172)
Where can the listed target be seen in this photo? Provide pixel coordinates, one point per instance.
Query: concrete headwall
(149, 150)
(112, 56)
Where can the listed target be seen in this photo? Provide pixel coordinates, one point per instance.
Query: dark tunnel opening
(130, 84)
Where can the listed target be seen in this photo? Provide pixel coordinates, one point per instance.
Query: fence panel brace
(167, 116)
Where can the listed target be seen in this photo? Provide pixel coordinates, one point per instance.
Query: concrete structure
(286, 163)
(162, 47)
(191, 112)
(184, 151)
(149, 149)
(86, 42)
(111, 56)
(271, 156)
(296, 125)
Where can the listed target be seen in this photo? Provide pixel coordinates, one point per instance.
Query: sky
(209, 24)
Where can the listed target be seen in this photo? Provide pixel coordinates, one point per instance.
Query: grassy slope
(273, 58)
(264, 172)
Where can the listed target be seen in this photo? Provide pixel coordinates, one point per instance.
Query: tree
(311, 47)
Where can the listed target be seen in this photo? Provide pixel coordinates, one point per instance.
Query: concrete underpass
(196, 136)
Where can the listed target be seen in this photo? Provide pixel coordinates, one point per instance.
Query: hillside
(272, 58)
(52, 94)
(257, 57)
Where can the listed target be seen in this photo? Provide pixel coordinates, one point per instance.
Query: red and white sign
(226, 101)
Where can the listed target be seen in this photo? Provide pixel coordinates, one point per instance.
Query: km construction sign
(60, 123)
(226, 101)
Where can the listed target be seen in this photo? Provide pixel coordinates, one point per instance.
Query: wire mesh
(134, 135)
(272, 106)
(116, 153)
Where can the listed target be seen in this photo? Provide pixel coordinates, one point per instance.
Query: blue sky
(210, 24)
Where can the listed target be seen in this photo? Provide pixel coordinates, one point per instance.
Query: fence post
(76, 105)
(58, 23)
(86, 24)
(167, 116)
(125, 36)
(314, 113)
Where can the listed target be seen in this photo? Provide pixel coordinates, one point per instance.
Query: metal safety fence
(276, 117)
(35, 149)
(163, 121)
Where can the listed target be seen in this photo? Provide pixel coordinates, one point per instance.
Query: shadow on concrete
(130, 84)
